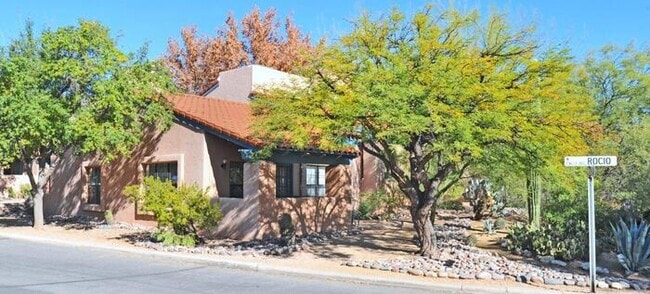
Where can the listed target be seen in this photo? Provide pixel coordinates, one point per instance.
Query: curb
(264, 268)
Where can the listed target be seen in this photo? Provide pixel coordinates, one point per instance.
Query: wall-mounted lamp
(224, 163)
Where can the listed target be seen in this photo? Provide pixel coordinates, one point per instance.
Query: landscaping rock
(537, 280)
(431, 274)
(553, 281)
(415, 272)
(559, 262)
(484, 276)
(601, 284)
(545, 259)
(442, 274)
(582, 284)
(620, 285)
(569, 282)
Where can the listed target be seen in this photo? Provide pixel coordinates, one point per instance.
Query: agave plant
(488, 226)
(633, 244)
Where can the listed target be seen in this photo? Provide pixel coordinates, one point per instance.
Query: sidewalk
(304, 265)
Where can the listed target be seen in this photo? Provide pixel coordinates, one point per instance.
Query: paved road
(27, 267)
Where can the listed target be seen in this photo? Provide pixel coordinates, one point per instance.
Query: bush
(451, 205)
(471, 240)
(169, 238)
(184, 210)
(378, 205)
(480, 197)
(632, 244)
(566, 241)
(500, 223)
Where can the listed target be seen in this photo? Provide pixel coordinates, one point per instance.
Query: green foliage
(108, 216)
(25, 191)
(566, 241)
(619, 83)
(72, 88)
(446, 89)
(169, 238)
(471, 240)
(500, 223)
(184, 210)
(378, 205)
(451, 205)
(633, 244)
(489, 226)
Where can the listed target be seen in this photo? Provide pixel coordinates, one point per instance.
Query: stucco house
(209, 144)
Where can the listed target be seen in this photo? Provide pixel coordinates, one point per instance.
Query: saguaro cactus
(534, 197)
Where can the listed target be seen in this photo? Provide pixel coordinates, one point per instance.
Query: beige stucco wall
(185, 145)
(309, 214)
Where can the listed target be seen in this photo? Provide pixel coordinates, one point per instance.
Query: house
(209, 144)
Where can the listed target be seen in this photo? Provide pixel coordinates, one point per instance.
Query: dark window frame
(235, 180)
(94, 185)
(286, 190)
(158, 170)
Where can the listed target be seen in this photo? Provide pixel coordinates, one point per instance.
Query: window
(164, 171)
(311, 179)
(236, 179)
(283, 180)
(16, 168)
(314, 180)
(94, 185)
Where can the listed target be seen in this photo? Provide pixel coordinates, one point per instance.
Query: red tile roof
(227, 117)
(224, 116)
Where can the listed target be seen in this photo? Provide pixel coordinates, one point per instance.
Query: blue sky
(583, 25)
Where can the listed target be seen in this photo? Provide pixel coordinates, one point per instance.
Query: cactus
(479, 197)
(500, 223)
(499, 202)
(533, 184)
(632, 244)
(489, 227)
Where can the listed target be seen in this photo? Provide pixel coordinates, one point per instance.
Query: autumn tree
(448, 89)
(196, 63)
(72, 89)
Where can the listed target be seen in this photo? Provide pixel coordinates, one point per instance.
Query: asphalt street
(27, 267)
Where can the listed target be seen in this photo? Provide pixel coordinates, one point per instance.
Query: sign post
(592, 162)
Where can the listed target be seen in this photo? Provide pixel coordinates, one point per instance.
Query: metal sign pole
(592, 228)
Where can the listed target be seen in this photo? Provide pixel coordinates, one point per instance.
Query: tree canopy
(446, 89)
(196, 63)
(72, 88)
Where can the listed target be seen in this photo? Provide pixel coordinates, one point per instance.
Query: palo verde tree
(72, 89)
(448, 89)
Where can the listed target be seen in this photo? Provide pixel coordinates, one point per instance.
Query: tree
(197, 63)
(73, 89)
(445, 88)
(619, 82)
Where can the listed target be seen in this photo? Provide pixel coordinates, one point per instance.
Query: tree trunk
(424, 228)
(38, 219)
(534, 198)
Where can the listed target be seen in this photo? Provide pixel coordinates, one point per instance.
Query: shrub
(169, 238)
(26, 191)
(480, 198)
(451, 205)
(565, 241)
(632, 244)
(488, 226)
(471, 240)
(379, 204)
(184, 210)
(500, 223)
(11, 193)
(108, 216)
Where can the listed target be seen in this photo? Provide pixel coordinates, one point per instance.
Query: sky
(582, 25)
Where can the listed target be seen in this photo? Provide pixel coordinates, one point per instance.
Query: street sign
(590, 161)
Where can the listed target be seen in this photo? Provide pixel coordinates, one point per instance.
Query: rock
(620, 285)
(442, 274)
(537, 280)
(493, 266)
(601, 284)
(559, 262)
(511, 279)
(498, 277)
(569, 282)
(545, 259)
(484, 276)
(581, 283)
(553, 281)
(352, 264)
(453, 276)
(467, 276)
(431, 274)
(636, 287)
(415, 272)
(599, 270)
(522, 279)
(527, 253)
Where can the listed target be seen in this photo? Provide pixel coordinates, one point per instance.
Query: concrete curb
(294, 271)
